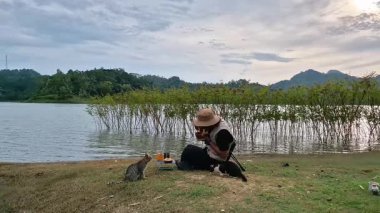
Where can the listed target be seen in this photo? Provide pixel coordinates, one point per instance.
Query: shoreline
(242, 156)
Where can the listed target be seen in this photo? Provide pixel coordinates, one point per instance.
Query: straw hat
(206, 117)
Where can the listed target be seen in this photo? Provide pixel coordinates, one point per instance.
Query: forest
(81, 86)
(29, 85)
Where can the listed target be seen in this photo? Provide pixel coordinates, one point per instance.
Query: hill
(18, 84)
(311, 77)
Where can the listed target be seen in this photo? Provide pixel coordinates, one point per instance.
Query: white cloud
(213, 40)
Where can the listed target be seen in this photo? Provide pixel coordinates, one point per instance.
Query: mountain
(311, 77)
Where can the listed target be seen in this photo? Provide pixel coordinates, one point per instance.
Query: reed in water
(336, 115)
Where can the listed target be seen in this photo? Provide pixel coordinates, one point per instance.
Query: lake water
(31, 132)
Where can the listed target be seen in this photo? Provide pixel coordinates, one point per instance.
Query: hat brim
(211, 122)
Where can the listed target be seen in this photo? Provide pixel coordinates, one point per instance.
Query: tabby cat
(135, 171)
(228, 168)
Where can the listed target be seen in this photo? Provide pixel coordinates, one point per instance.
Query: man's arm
(224, 140)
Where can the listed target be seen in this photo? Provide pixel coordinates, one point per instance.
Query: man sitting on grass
(214, 131)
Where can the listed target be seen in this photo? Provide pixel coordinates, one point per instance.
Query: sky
(213, 41)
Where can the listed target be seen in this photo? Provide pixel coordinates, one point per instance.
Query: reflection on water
(65, 132)
(113, 144)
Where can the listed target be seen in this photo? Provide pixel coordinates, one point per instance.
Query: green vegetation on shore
(75, 85)
(311, 183)
(28, 85)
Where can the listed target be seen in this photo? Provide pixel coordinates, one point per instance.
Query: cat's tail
(244, 178)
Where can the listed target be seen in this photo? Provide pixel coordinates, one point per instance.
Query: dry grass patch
(318, 183)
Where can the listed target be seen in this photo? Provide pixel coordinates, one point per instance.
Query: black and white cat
(228, 168)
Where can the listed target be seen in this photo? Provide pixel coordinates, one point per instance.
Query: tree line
(79, 86)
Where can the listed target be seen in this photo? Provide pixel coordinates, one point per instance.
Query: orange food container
(159, 157)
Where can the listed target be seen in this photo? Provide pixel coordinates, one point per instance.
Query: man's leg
(194, 157)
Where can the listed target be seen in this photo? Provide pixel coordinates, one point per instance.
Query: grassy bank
(312, 183)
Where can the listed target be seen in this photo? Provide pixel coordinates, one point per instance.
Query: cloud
(363, 65)
(175, 9)
(269, 57)
(66, 22)
(363, 43)
(235, 61)
(187, 1)
(217, 45)
(351, 24)
(183, 37)
(54, 23)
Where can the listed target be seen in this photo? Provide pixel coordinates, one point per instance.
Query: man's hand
(217, 151)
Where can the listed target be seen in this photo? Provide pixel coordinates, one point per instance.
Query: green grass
(311, 183)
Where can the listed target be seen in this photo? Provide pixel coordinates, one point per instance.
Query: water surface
(32, 132)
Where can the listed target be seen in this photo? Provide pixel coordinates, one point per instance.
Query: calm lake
(31, 132)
